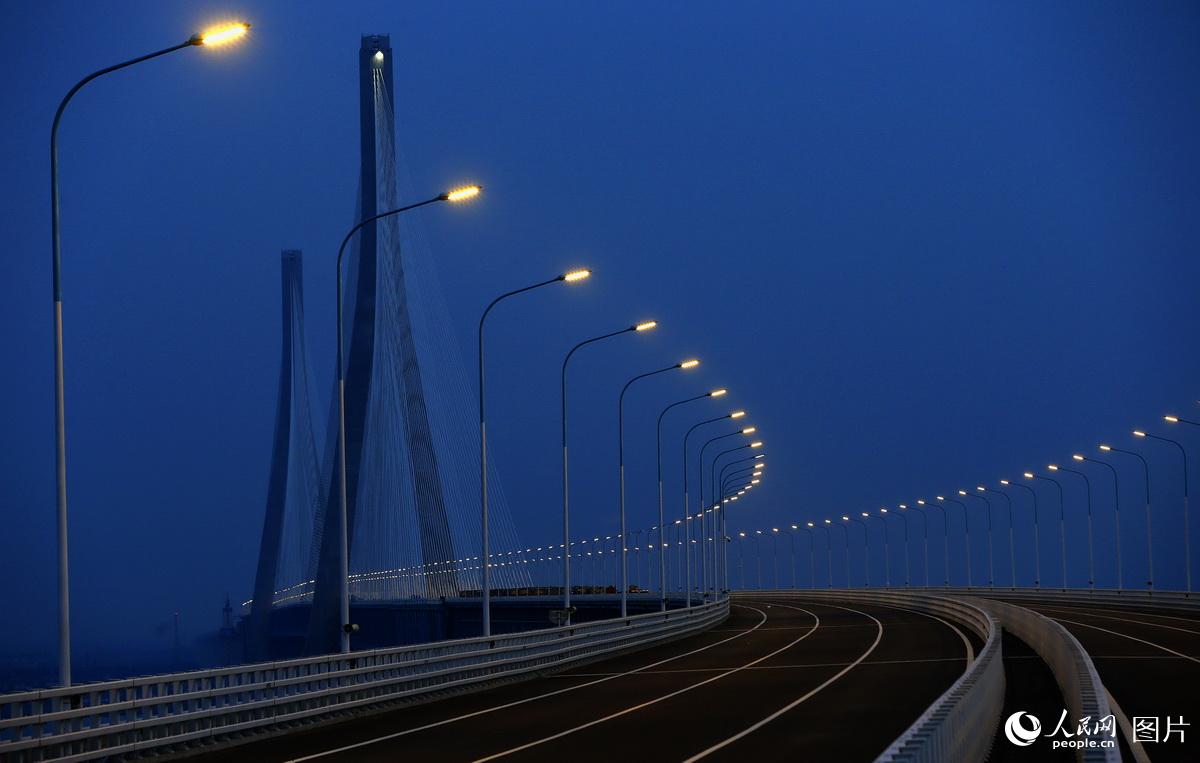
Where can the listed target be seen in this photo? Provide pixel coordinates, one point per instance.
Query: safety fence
(202, 709)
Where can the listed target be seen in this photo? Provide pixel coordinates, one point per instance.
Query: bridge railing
(950, 729)
(181, 711)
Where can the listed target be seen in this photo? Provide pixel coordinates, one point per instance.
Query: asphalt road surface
(788, 679)
(1148, 661)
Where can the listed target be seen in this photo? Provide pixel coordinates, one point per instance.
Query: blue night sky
(925, 245)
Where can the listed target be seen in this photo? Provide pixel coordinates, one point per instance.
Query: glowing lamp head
(1028, 475)
(692, 363)
(761, 455)
(1078, 457)
(810, 524)
(828, 522)
(742, 535)
(794, 527)
(962, 492)
(645, 326)
(755, 482)
(981, 488)
(756, 444)
(737, 414)
(756, 474)
(940, 497)
(903, 505)
(378, 58)
(920, 501)
(1052, 467)
(717, 392)
(845, 518)
(774, 529)
(1105, 448)
(1003, 482)
(458, 194)
(1171, 419)
(865, 514)
(575, 275)
(220, 35)
(749, 430)
(1138, 433)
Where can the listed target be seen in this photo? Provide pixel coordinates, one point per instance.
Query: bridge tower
(378, 244)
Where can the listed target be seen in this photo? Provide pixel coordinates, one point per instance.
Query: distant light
(222, 35)
(576, 275)
(795, 527)
(921, 501)
(1138, 433)
(761, 455)
(1052, 467)
(810, 524)
(1172, 419)
(737, 414)
(865, 514)
(904, 506)
(1028, 475)
(1077, 457)
(689, 363)
(717, 392)
(756, 444)
(940, 497)
(749, 430)
(845, 518)
(883, 511)
(1105, 447)
(1003, 482)
(756, 474)
(755, 482)
(645, 326)
(962, 492)
(981, 488)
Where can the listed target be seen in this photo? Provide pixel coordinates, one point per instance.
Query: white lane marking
(1131, 638)
(1091, 613)
(656, 700)
(1045, 603)
(518, 702)
(756, 726)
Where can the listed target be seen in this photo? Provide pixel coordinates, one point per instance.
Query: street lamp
(1037, 543)
(812, 559)
(829, 523)
(1012, 556)
(700, 474)
(716, 508)
(568, 277)
(828, 550)
(343, 506)
(907, 572)
(866, 548)
(966, 531)
(887, 556)
(925, 529)
(945, 545)
(1187, 544)
(1149, 534)
(1088, 484)
(1062, 527)
(684, 365)
(210, 38)
(658, 454)
(687, 512)
(636, 328)
(988, 511)
(1116, 510)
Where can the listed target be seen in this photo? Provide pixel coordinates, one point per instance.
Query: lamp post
(1116, 510)
(1149, 534)
(945, 544)
(1062, 527)
(1187, 543)
(775, 555)
(566, 519)
(907, 575)
(887, 556)
(866, 548)
(700, 474)
(455, 196)
(658, 460)
(1037, 542)
(1012, 556)
(829, 523)
(792, 550)
(570, 277)
(966, 531)
(828, 550)
(812, 558)
(988, 511)
(717, 532)
(758, 556)
(1088, 484)
(685, 364)
(208, 39)
(687, 509)
(925, 529)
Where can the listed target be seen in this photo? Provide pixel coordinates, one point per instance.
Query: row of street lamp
(983, 493)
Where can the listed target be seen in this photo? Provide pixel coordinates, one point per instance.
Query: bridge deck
(830, 682)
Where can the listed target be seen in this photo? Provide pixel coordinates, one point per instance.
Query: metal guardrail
(1072, 667)
(181, 711)
(1179, 600)
(950, 728)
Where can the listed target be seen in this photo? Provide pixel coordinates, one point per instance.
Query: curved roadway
(1148, 661)
(786, 679)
